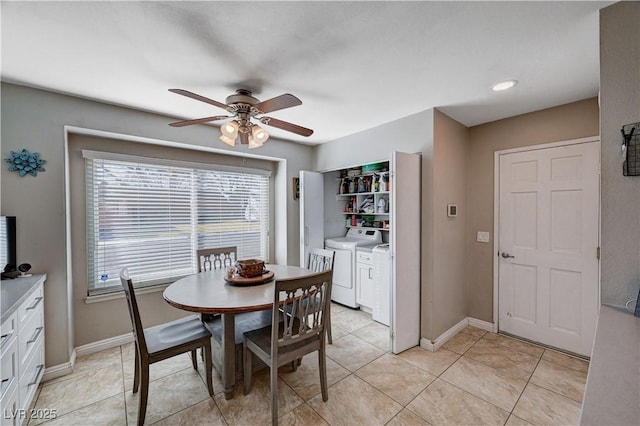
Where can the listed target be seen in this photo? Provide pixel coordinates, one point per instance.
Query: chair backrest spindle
(306, 299)
(216, 258)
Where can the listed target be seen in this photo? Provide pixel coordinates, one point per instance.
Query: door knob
(506, 255)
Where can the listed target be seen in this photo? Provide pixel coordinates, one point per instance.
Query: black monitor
(8, 252)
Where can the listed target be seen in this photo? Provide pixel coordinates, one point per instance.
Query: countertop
(14, 292)
(612, 395)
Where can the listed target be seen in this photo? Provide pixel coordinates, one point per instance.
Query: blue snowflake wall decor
(25, 162)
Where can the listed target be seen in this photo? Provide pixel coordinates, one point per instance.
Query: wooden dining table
(210, 293)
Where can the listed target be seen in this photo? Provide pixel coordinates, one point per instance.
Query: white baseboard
(101, 345)
(483, 325)
(450, 333)
(67, 367)
(59, 370)
(427, 344)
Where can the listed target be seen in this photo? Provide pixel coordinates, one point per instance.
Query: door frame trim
(496, 210)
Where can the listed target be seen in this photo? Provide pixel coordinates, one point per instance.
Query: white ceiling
(354, 65)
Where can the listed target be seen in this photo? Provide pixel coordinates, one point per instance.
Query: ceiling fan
(243, 107)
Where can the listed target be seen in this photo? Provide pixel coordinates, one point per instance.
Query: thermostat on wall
(452, 210)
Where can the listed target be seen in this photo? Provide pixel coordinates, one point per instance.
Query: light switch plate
(483, 237)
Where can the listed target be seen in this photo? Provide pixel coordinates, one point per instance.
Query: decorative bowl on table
(250, 268)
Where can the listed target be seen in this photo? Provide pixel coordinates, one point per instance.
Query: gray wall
(570, 121)
(35, 119)
(619, 105)
(444, 285)
(443, 144)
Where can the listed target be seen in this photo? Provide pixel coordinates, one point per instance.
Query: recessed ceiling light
(504, 85)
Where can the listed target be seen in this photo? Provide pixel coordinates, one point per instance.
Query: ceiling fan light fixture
(244, 108)
(253, 143)
(259, 134)
(504, 85)
(230, 129)
(229, 141)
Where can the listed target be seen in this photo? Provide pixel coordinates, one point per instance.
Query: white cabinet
(9, 370)
(21, 350)
(365, 291)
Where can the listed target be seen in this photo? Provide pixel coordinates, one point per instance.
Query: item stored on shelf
(374, 167)
(383, 182)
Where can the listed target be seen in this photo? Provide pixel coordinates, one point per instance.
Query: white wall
(35, 119)
(412, 134)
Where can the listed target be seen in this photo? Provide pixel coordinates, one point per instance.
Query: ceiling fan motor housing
(242, 97)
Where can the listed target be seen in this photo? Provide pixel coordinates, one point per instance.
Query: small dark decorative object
(24, 268)
(631, 149)
(25, 162)
(250, 268)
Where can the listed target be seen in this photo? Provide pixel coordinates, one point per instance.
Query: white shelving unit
(377, 215)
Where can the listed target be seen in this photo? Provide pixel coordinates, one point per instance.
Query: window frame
(193, 167)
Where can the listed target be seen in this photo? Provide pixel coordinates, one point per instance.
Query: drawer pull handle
(6, 384)
(35, 378)
(37, 300)
(35, 335)
(5, 338)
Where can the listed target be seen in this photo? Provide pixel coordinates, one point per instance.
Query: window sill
(120, 294)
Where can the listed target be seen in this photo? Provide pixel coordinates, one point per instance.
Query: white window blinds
(152, 217)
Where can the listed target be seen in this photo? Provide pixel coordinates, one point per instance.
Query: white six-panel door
(548, 241)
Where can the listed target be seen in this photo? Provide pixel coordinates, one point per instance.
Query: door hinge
(598, 252)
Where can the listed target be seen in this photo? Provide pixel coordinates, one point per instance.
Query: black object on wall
(631, 149)
(8, 255)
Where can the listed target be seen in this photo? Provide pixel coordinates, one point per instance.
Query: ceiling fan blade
(244, 138)
(195, 96)
(279, 102)
(284, 125)
(198, 121)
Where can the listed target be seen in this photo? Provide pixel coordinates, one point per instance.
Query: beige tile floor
(477, 378)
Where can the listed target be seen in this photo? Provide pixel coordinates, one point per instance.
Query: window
(153, 215)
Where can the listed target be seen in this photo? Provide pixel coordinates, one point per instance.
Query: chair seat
(175, 333)
(262, 339)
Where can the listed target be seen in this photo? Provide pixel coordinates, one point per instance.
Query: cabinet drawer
(31, 374)
(9, 330)
(10, 406)
(31, 334)
(33, 302)
(9, 367)
(364, 257)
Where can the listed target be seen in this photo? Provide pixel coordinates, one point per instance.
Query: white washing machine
(344, 265)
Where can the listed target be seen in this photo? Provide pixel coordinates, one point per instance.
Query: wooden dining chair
(163, 341)
(217, 258)
(290, 337)
(322, 260)
(220, 258)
